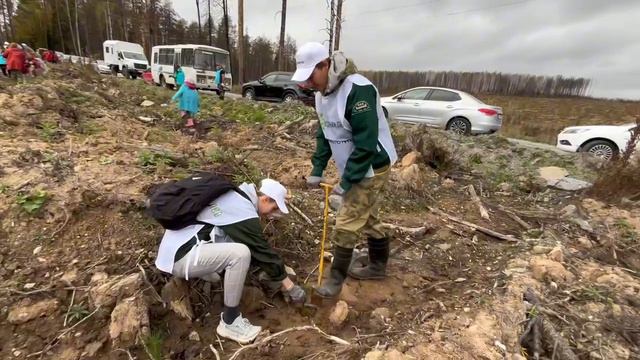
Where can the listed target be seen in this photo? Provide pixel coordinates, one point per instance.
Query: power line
(488, 7)
(392, 8)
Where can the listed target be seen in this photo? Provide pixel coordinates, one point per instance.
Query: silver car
(443, 108)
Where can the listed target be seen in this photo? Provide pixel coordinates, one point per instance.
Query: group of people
(18, 60)
(188, 97)
(228, 236)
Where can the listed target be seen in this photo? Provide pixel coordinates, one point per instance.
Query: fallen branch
(298, 328)
(215, 352)
(412, 231)
(484, 230)
(66, 220)
(302, 215)
(311, 273)
(62, 334)
(66, 316)
(474, 196)
(515, 217)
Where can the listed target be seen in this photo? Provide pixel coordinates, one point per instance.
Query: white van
(125, 57)
(198, 62)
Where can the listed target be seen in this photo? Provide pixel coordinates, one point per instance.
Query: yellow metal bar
(327, 189)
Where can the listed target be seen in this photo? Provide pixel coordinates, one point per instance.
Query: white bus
(197, 61)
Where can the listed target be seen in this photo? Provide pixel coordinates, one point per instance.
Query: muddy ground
(77, 281)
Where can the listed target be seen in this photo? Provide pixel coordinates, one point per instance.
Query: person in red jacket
(16, 60)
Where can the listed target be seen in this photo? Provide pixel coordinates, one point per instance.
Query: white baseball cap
(277, 192)
(307, 57)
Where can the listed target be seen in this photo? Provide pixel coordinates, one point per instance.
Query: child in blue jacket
(188, 102)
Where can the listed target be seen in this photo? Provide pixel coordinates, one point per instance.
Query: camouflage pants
(359, 212)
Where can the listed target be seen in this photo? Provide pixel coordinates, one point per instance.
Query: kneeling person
(229, 239)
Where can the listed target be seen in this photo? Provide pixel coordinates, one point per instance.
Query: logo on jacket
(360, 107)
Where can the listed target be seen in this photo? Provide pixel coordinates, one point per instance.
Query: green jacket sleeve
(322, 155)
(361, 113)
(249, 232)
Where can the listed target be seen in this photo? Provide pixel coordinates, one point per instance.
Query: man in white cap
(229, 240)
(354, 131)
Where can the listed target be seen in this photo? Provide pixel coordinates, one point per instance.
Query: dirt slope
(80, 156)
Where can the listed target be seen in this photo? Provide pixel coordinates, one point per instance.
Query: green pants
(359, 212)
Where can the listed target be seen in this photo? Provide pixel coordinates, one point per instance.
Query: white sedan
(603, 141)
(448, 109)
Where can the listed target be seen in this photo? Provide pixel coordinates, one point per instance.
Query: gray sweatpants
(214, 258)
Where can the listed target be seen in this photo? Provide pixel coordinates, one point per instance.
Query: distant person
(50, 56)
(219, 81)
(179, 76)
(188, 102)
(355, 133)
(16, 61)
(3, 64)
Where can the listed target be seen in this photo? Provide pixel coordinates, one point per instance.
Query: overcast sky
(597, 39)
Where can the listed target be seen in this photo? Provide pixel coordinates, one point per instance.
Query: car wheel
(289, 97)
(249, 94)
(114, 71)
(602, 149)
(386, 113)
(459, 125)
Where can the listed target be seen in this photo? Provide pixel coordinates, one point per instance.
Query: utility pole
(209, 22)
(241, 41)
(199, 21)
(283, 22)
(338, 25)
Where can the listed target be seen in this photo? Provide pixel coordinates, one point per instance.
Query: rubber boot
(332, 286)
(378, 257)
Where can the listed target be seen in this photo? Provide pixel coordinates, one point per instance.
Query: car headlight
(575, 131)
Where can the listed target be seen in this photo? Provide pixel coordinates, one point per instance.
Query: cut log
(474, 196)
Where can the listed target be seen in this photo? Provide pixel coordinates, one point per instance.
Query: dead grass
(541, 119)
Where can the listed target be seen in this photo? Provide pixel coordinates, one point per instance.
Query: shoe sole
(230, 337)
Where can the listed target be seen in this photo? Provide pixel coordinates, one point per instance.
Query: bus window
(187, 57)
(155, 58)
(223, 59)
(166, 56)
(204, 60)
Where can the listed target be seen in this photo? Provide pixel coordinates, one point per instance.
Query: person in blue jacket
(179, 76)
(3, 63)
(188, 102)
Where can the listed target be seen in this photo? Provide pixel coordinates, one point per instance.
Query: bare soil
(78, 164)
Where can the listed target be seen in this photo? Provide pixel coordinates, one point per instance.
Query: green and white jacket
(354, 131)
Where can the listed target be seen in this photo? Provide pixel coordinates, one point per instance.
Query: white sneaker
(240, 331)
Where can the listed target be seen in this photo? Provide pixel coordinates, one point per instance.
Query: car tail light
(488, 112)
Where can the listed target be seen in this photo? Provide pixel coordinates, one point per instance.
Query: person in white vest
(231, 243)
(355, 133)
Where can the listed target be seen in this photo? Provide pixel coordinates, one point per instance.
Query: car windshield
(204, 60)
(134, 56)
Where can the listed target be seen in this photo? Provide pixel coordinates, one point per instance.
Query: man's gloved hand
(314, 181)
(296, 294)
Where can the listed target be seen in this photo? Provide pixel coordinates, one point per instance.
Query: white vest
(230, 208)
(337, 130)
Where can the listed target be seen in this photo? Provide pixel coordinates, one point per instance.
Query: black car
(277, 86)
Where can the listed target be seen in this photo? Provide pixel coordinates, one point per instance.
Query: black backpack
(176, 204)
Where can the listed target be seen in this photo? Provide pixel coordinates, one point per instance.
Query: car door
(269, 86)
(404, 107)
(438, 106)
(280, 85)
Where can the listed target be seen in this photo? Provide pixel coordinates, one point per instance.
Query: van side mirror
(261, 81)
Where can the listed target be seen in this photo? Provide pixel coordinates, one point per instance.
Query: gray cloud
(589, 38)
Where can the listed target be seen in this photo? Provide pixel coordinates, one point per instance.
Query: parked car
(101, 67)
(448, 109)
(603, 141)
(277, 86)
